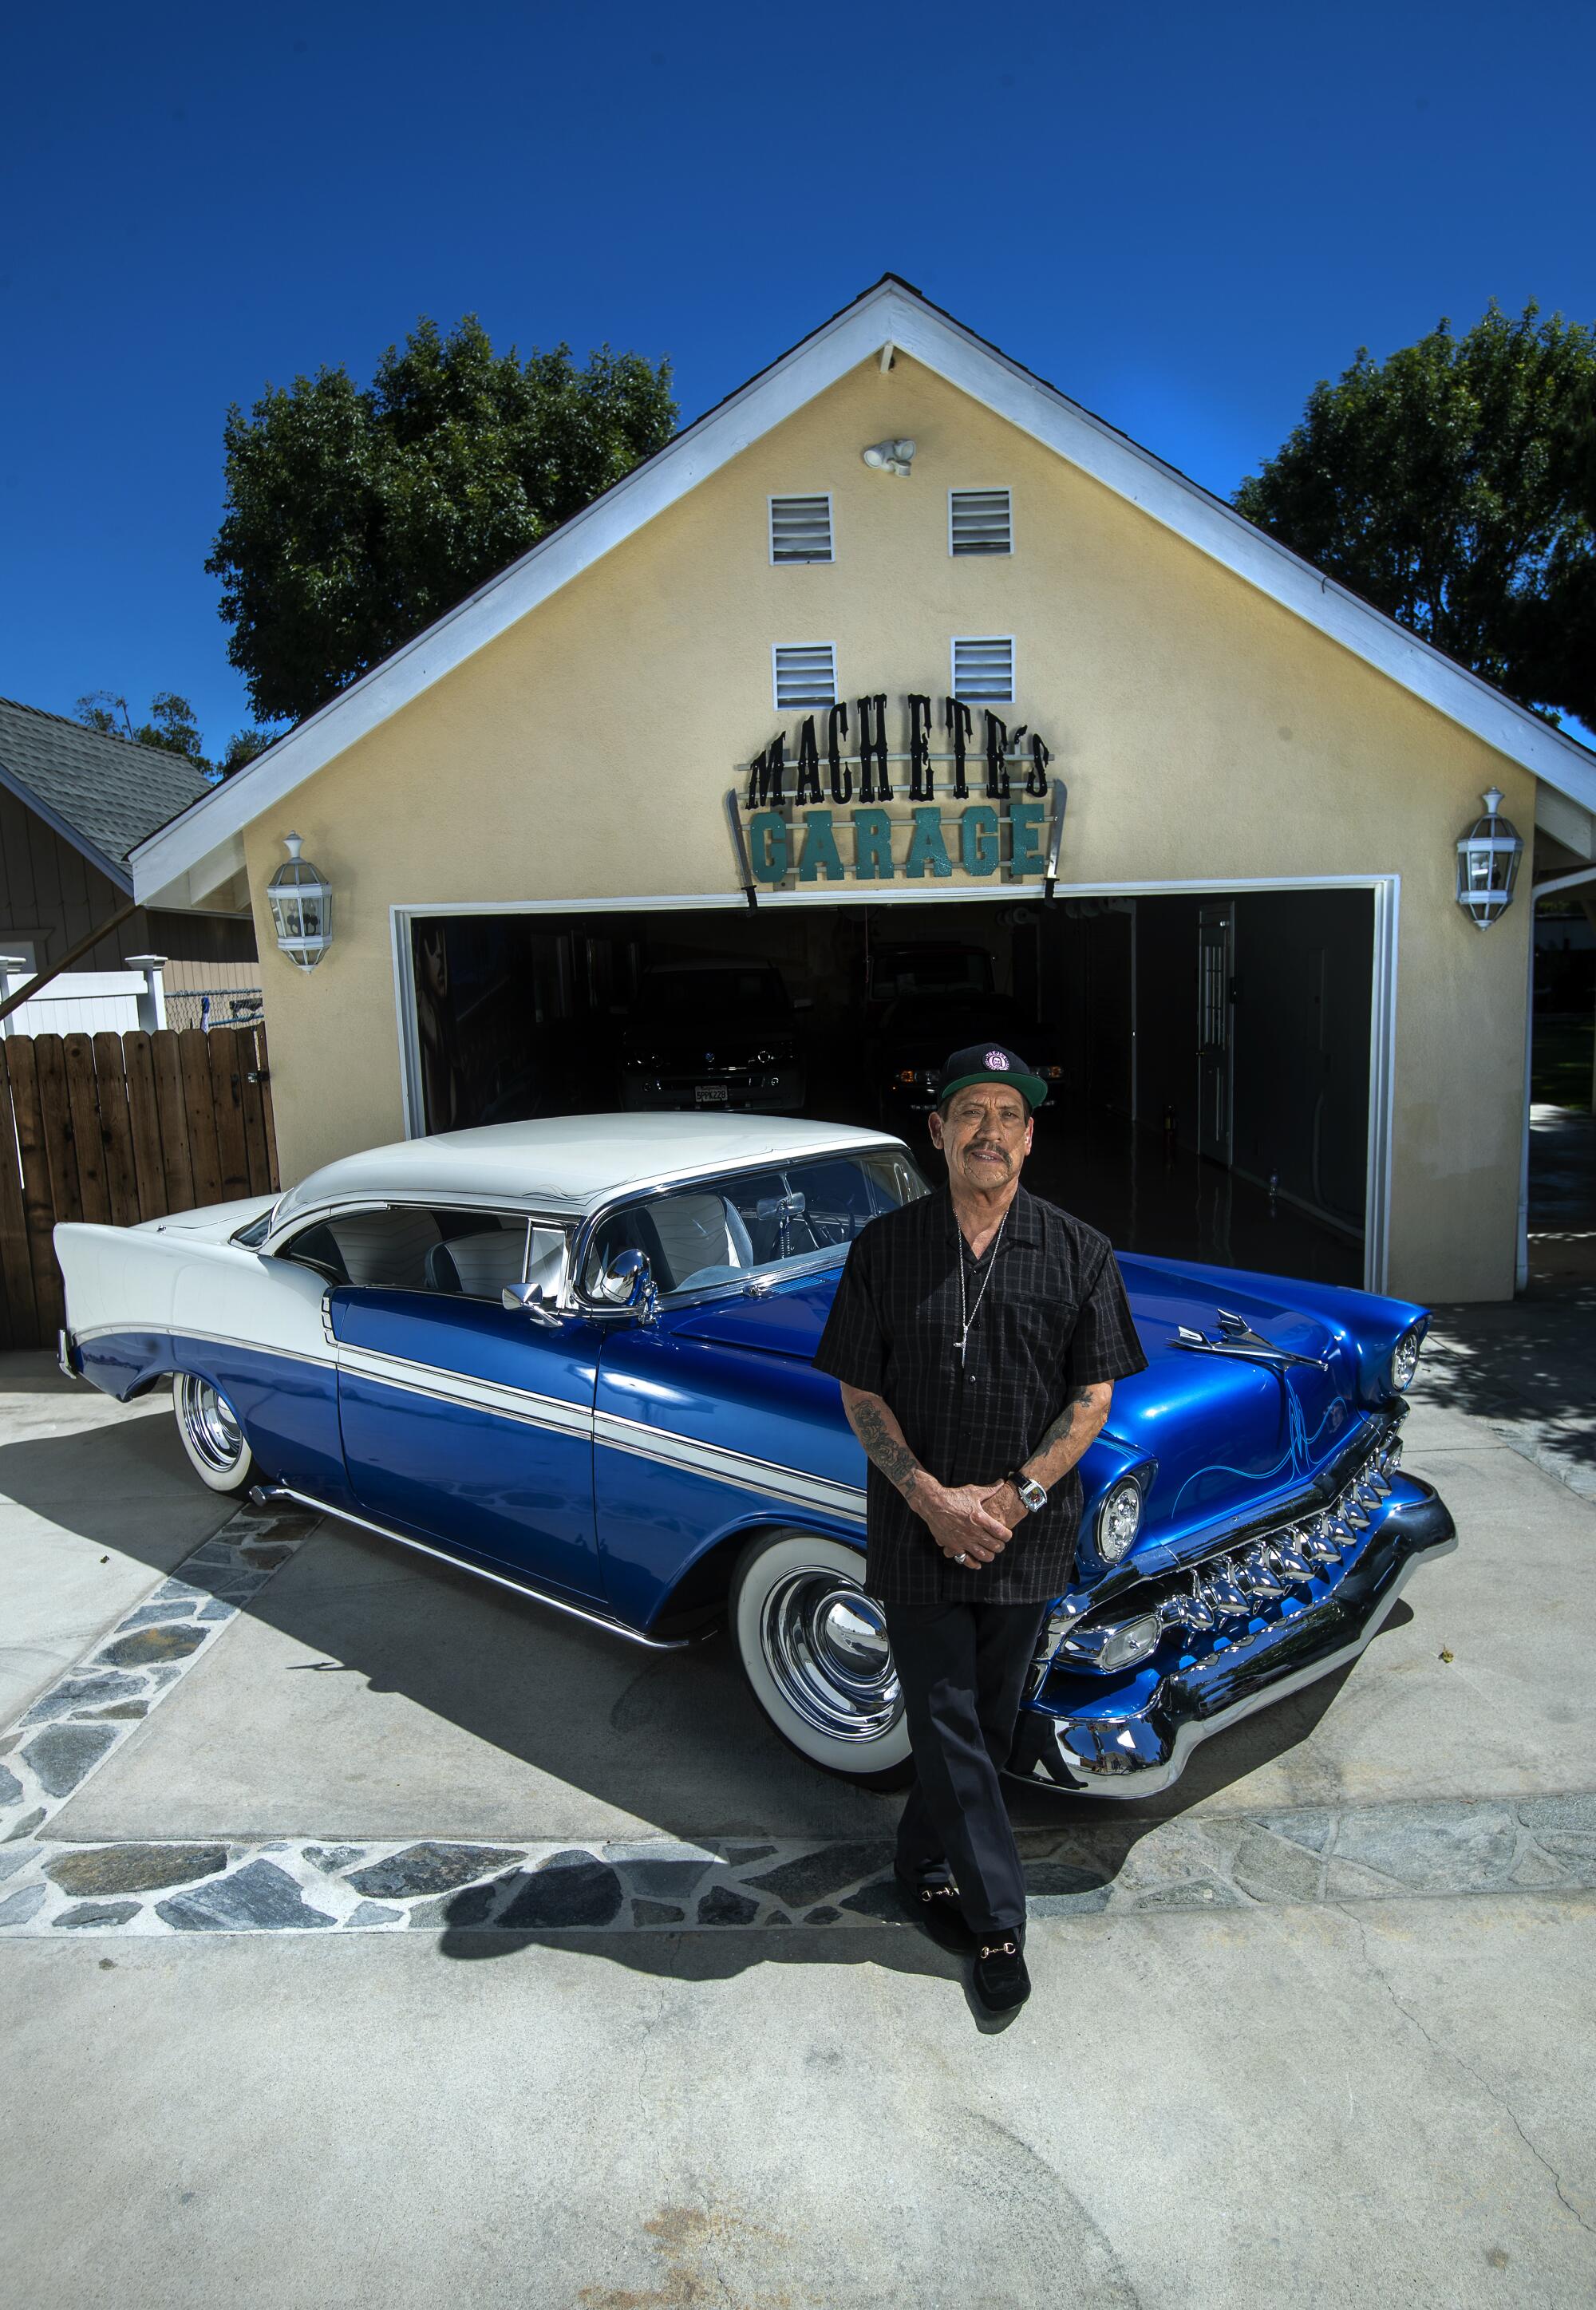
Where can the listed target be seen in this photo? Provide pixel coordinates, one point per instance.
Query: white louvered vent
(800, 529)
(979, 522)
(983, 669)
(805, 674)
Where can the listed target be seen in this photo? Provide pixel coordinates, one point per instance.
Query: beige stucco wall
(1205, 732)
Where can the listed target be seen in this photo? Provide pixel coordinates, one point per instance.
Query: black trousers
(962, 1668)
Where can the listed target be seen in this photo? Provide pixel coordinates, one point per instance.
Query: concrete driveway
(369, 1935)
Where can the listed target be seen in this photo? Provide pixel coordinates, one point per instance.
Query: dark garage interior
(1210, 1054)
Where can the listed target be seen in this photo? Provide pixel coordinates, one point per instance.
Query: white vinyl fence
(85, 1002)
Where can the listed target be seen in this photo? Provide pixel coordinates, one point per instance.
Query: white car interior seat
(702, 1238)
(480, 1266)
(387, 1247)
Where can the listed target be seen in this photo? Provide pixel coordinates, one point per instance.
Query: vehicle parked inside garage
(574, 1356)
(907, 1049)
(712, 1035)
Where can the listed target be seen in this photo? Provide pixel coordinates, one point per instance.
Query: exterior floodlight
(1488, 858)
(301, 903)
(889, 457)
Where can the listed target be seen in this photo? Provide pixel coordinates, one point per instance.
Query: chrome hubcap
(210, 1425)
(825, 1643)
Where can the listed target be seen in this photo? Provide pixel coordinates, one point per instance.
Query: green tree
(1453, 485)
(243, 747)
(171, 724)
(354, 518)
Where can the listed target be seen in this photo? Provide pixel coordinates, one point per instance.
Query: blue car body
(620, 1468)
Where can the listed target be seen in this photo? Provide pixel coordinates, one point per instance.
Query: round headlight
(1404, 1357)
(1119, 1519)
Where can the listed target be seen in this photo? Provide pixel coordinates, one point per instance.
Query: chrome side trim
(724, 1467)
(458, 1387)
(550, 1412)
(263, 1492)
(210, 1339)
(741, 1469)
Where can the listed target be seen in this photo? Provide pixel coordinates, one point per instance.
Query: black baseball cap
(990, 1063)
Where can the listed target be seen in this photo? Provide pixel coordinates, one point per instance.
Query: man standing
(977, 1334)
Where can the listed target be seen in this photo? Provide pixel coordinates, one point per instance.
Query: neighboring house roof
(204, 846)
(104, 795)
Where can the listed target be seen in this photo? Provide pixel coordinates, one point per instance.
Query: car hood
(1228, 1435)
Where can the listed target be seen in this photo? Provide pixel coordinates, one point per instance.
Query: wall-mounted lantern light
(301, 903)
(1488, 858)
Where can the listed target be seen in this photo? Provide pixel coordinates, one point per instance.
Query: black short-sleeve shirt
(1051, 1317)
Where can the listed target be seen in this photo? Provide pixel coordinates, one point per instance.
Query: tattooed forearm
(1081, 1415)
(882, 1440)
(1061, 1425)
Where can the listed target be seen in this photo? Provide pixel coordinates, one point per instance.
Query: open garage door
(1145, 1011)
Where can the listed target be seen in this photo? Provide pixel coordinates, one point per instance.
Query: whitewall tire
(814, 1650)
(212, 1435)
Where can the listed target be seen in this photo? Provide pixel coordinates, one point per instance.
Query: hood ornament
(1238, 1339)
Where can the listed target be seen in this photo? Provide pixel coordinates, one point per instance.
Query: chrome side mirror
(529, 1300)
(628, 1283)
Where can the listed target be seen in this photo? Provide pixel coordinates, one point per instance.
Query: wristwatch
(1032, 1495)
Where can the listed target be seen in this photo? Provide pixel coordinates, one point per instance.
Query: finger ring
(961, 1557)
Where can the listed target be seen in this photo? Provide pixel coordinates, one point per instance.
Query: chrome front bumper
(1129, 1750)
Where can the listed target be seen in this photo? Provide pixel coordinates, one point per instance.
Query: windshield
(745, 1226)
(930, 971)
(678, 994)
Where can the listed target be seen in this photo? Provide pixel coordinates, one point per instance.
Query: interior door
(1216, 968)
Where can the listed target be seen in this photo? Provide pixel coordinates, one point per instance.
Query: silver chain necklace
(967, 1317)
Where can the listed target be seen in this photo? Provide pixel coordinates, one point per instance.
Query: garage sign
(849, 809)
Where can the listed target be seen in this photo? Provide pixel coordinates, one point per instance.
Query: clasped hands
(969, 1520)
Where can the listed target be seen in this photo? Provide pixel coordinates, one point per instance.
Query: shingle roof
(105, 794)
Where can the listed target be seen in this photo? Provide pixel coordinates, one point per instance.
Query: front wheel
(814, 1649)
(212, 1435)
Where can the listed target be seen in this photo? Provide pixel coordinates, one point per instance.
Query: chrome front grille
(1236, 1584)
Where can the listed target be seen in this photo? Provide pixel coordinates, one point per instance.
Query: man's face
(986, 1136)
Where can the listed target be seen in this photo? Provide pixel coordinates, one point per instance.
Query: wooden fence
(119, 1128)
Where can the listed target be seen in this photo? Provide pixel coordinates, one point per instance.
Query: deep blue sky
(1180, 215)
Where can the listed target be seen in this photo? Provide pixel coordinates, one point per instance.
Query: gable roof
(203, 846)
(102, 795)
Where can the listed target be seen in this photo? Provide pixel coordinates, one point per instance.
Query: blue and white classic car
(573, 1356)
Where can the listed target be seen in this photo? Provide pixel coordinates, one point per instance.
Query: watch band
(1032, 1495)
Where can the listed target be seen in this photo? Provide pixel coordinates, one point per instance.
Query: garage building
(899, 691)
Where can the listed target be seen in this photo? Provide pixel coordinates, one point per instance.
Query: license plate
(710, 1094)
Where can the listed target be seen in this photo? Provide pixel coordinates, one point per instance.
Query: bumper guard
(1136, 1750)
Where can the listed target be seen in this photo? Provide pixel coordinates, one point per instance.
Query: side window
(694, 1236)
(462, 1255)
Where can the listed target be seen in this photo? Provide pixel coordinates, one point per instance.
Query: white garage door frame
(1385, 888)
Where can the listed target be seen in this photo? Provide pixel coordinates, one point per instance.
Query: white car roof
(566, 1165)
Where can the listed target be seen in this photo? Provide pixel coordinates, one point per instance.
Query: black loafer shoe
(1001, 1981)
(933, 1898)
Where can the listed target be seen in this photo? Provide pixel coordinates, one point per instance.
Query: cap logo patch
(997, 1060)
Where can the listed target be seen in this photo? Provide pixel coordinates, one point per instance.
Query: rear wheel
(814, 1649)
(212, 1435)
